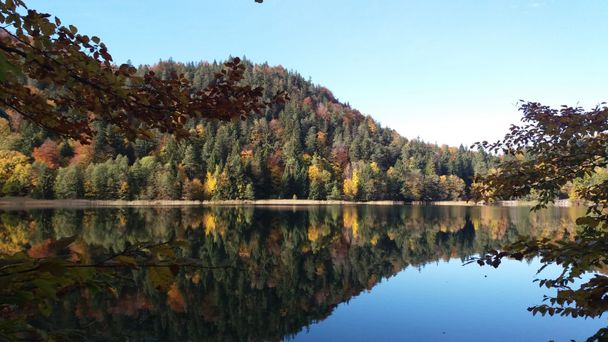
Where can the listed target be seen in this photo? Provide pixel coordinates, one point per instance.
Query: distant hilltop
(313, 147)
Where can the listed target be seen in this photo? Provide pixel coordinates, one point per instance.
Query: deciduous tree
(560, 146)
(87, 86)
(15, 173)
(47, 154)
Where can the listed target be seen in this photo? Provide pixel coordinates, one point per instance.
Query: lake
(341, 273)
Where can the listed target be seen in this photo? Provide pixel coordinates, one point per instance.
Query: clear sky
(446, 71)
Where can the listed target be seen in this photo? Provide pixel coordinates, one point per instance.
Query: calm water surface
(310, 274)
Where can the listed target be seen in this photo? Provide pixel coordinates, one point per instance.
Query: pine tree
(335, 193)
(166, 185)
(69, 183)
(249, 192)
(189, 162)
(45, 178)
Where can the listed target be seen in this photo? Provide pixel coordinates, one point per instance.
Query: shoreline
(30, 203)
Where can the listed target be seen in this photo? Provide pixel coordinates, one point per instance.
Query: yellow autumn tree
(351, 186)
(15, 173)
(313, 173)
(319, 179)
(210, 185)
(374, 167)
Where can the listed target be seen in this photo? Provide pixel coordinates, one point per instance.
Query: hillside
(313, 147)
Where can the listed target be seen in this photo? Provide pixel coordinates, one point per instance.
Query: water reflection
(285, 268)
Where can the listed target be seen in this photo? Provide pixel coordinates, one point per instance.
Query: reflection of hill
(291, 267)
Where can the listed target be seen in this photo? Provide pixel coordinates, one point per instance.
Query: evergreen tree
(189, 163)
(45, 178)
(69, 183)
(335, 193)
(352, 156)
(249, 192)
(166, 185)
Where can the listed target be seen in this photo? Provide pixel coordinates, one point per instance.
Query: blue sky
(447, 71)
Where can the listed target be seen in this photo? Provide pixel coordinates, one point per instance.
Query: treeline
(312, 147)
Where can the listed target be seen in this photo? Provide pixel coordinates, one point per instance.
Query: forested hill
(312, 147)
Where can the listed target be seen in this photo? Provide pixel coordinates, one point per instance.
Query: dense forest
(312, 147)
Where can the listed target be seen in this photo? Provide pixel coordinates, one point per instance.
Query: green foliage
(69, 183)
(15, 173)
(554, 149)
(9, 140)
(249, 192)
(45, 178)
(335, 193)
(308, 147)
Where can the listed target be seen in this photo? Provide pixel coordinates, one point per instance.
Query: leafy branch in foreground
(63, 81)
(550, 150)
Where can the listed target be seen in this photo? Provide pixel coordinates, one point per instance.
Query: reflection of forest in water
(288, 267)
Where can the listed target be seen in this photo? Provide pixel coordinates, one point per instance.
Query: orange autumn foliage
(47, 154)
(83, 154)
